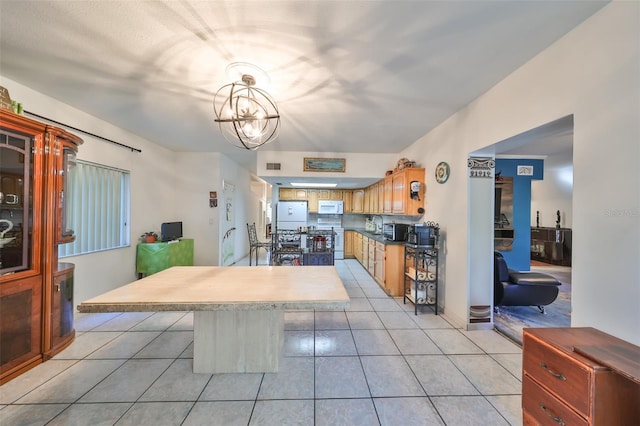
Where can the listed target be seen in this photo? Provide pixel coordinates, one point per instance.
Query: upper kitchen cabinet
(324, 194)
(357, 201)
(406, 201)
(34, 164)
(336, 194)
(347, 198)
(399, 193)
(387, 202)
(312, 198)
(289, 194)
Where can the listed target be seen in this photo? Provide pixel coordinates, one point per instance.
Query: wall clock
(442, 172)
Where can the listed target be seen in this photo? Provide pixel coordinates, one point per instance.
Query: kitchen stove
(329, 221)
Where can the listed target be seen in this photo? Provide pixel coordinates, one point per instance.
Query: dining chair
(255, 245)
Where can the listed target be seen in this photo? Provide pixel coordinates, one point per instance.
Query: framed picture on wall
(324, 164)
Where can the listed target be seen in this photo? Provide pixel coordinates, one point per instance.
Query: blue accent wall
(519, 257)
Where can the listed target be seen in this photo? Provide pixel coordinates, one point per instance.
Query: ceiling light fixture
(248, 117)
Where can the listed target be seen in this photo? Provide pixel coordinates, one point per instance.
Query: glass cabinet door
(68, 165)
(16, 198)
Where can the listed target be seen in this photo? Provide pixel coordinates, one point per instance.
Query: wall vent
(273, 166)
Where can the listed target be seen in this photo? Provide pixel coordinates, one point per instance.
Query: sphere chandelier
(248, 117)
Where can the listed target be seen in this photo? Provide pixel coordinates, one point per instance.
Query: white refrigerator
(291, 215)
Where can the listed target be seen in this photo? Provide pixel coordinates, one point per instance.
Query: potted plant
(149, 237)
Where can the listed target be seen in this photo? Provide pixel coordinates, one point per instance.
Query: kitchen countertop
(377, 237)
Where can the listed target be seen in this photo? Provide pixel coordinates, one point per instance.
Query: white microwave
(330, 207)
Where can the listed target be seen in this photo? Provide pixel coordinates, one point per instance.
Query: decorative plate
(442, 172)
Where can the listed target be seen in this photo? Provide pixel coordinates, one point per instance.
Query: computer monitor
(171, 231)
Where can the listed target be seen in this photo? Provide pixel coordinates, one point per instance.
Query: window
(97, 210)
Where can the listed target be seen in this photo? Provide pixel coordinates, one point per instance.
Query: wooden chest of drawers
(562, 387)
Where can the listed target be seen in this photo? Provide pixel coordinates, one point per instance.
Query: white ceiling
(348, 76)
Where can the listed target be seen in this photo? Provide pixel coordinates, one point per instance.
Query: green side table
(155, 257)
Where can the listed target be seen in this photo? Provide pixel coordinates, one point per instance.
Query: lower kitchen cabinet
(371, 257)
(348, 244)
(392, 270)
(383, 261)
(357, 246)
(579, 376)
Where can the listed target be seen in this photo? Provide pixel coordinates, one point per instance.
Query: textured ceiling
(348, 76)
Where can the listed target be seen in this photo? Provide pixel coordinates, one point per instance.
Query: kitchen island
(238, 311)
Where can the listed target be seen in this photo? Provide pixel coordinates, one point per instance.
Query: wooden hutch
(36, 291)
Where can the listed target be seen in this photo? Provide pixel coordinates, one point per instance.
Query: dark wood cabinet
(62, 307)
(20, 323)
(551, 245)
(562, 386)
(36, 319)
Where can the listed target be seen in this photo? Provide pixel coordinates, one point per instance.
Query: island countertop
(206, 288)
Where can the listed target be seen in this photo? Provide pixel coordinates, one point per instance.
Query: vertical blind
(97, 208)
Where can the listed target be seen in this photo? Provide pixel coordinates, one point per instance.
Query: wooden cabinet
(300, 194)
(286, 194)
(324, 194)
(390, 195)
(357, 246)
(551, 245)
(378, 267)
(402, 201)
(289, 194)
(368, 199)
(383, 261)
(35, 162)
(348, 244)
(312, 198)
(365, 252)
(387, 202)
(347, 197)
(561, 386)
(61, 317)
(380, 207)
(357, 201)
(20, 325)
(371, 259)
(393, 270)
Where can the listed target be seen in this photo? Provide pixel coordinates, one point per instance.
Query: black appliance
(395, 231)
(422, 235)
(171, 231)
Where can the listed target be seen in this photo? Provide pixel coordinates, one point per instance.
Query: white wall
(554, 192)
(594, 73)
(245, 207)
(207, 225)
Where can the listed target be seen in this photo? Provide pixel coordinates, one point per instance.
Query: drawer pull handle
(550, 414)
(553, 373)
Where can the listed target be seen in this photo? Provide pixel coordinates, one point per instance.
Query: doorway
(550, 209)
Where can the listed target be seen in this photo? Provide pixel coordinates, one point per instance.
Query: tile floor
(372, 364)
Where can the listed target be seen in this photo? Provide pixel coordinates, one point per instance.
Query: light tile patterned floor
(373, 364)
